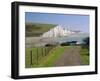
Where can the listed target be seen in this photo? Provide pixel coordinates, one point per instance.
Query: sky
(69, 21)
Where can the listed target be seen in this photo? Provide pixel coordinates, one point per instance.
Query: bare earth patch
(70, 57)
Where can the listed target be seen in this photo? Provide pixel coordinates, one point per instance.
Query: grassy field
(34, 55)
(45, 58)
(37, 29)
(53, 56)
(85, 55)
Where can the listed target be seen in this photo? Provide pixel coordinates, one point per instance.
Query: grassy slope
(85, 56)
(36, 29)
(53, 56)
(47, 60)
(42, 51)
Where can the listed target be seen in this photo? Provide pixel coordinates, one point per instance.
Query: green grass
(48, 55)
(53, 56)
(85, 55)
(44, 60)
(37, 53)
(37, 29)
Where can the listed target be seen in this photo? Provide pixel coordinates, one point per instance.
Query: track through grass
(44, 60)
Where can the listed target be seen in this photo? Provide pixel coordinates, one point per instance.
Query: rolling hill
(37, 29)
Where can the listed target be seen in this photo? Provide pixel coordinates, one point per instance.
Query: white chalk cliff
(59, 31)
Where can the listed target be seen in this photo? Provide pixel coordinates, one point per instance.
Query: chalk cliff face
(59, 31)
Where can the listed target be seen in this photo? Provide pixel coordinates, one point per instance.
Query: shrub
(65, 44)
(49, 45)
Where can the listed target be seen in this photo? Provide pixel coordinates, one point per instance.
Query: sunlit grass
(85, 55)
(44, 60)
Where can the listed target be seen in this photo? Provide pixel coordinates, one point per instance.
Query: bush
(69, 43)
(65, 44)
(49, 45)
(86, 41)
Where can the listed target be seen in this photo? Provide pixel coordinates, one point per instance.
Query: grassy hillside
(45, 59)
(47, 56)
(38, 53)
(37, 29)
(85, 55)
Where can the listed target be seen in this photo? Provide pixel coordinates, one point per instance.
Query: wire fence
(34, 55)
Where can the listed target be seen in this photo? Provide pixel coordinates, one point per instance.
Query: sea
(75, 37)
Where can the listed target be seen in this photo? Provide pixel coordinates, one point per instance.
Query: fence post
(45, 51)
(37, 55)
(42, 51)
(31, 57)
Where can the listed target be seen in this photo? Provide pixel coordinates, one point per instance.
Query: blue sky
(69, 21)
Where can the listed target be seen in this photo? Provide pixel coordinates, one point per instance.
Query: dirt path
(71, 57)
